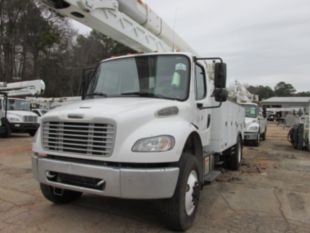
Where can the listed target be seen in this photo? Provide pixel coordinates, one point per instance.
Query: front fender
(128, 134)
(179, 129)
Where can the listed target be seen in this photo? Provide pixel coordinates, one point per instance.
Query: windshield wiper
(143, 94)
(97, 94)
(148, 94)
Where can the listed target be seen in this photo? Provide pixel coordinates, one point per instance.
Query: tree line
(36, 43)
(282, 89)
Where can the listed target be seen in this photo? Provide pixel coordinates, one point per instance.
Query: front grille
(79, 138)
(30, 119)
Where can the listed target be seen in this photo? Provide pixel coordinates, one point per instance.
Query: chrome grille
(79, 138)
(30, 119)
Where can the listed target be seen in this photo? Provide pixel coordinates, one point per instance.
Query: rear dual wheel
(235, 156)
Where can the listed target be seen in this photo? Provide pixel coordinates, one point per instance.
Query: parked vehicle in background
(255, 124)
(271, 116)
(19, 116)
(15, 114)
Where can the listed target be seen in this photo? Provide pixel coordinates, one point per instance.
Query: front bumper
(128, 183)
(24, 127)
(249, 136)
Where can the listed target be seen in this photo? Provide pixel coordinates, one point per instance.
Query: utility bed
(226, 122)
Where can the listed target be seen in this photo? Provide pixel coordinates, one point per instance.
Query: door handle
(209, 121)
(199, 106)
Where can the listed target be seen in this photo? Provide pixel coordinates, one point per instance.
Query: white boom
(240, 94)
(130, 22)
(34, 87)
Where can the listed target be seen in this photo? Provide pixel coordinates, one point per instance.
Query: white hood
(113, 107)
(251, 122)
(20, 113)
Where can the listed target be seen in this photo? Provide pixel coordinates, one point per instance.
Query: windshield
(250, 111)
(162, 76)
(18, 104)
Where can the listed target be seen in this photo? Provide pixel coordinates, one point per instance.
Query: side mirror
(264, 112)
(220, 75)
(87, 76)
(220, 94)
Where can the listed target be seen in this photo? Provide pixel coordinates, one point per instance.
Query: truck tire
(180, 210)
(235, 156)
(64, 196)
(32, 132)
(263, 136)
(257, 141)
(7, 128)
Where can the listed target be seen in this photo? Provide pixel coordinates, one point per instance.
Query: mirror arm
(200, 106)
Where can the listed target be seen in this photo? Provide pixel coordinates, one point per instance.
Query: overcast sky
(262, 41)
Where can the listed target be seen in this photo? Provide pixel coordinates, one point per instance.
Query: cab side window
(201, 88)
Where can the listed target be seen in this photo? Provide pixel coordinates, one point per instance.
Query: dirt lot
(271, 193)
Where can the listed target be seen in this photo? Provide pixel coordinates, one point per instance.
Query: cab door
(203, 116)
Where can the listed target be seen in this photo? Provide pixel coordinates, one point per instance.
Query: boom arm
(130, 22)
(34, 87)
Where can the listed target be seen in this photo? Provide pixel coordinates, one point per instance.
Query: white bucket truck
(255, 124)
(151, 126)
(15, 113)
(19, 116)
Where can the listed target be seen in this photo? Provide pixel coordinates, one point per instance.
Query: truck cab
(255, 124)
(142, 131)
(18, 116)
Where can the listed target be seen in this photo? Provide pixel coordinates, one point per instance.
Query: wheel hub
(192, 193)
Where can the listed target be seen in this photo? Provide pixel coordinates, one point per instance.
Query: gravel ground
(271, 193)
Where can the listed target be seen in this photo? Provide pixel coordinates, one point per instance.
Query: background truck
(15, 113)
(150, 126)
(255, 124)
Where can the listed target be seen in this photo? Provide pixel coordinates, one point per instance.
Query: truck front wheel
(181, 209)
(59, 196)
(7, 128)
(32, 132)
(257, 141)
(263, 136)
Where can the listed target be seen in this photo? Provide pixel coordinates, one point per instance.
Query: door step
(211, 176)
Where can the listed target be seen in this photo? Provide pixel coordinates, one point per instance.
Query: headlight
(253, 128)
(154, 144)
(14, 119)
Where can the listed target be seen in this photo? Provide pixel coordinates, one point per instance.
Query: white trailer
(150, 126)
